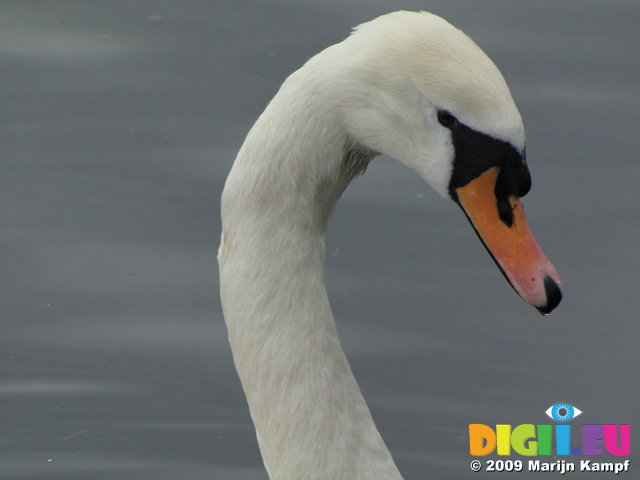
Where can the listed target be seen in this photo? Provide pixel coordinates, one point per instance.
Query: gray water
(118, 125)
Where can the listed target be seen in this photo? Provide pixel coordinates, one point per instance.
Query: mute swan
(412, 87)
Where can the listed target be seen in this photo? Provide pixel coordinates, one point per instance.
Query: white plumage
(376, 92)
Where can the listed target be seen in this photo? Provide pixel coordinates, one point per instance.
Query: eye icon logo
(562, 412)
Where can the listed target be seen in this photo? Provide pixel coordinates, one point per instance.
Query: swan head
(422, 92)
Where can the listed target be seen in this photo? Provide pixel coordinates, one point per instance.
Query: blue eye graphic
(562, 412)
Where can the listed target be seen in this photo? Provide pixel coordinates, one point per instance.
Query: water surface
(120, 121)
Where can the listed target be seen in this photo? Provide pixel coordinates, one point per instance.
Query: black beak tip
(554, 295)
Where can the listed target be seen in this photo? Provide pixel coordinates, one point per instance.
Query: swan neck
(310, 417)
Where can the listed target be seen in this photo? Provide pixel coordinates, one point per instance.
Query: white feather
(378, 91)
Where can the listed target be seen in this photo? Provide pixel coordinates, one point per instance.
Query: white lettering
(560, 466)
(615, 467)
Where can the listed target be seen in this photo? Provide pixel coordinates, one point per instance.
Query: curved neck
(310, 417)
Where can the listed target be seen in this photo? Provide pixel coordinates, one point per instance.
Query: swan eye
(447, 120)
(562, 412)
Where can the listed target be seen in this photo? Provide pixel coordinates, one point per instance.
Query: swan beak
(510, 242)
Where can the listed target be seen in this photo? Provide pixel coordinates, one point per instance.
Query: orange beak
(513, 247)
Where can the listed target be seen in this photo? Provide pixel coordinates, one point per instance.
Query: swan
(410, 86)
